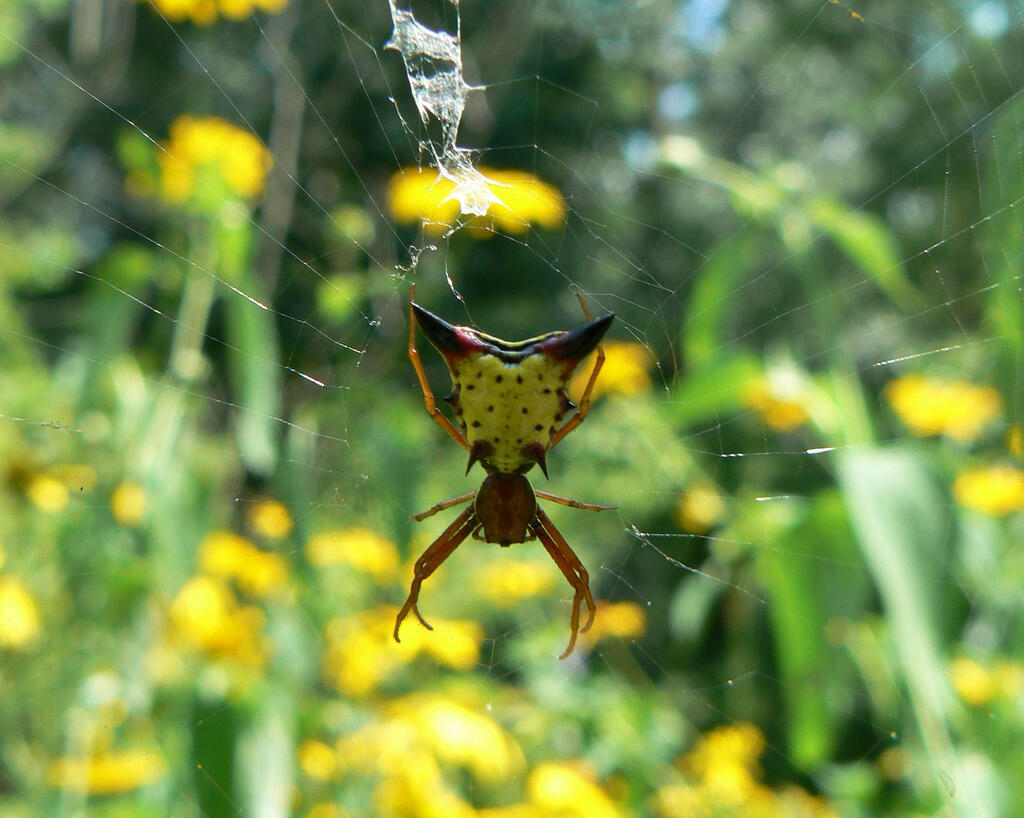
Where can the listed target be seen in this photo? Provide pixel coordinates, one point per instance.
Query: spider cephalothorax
(509, 398)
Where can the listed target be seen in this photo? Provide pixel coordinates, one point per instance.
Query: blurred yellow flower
(683, 801)
(360, 651)
(780, 398)
(417, 195)
(569, 791)
(128, 503)
(460, 735)
(625, 371)
(257, 572)
(47, 493)
(412, 783)
(207, 616)
(980, 684)
(725, 760)
(957, 409)
(317, 760)
(271, 519)
(106, 773)
(699, 508)
(360, 548)
(415, 788)
(793, 802)
(205, 12)
(995, 489)
(379, 746)
(19, 614)
(622, 620)
(972, 681)
(212, 151)
(512, 811)
(1015, 441)
(724, 773)
(325, 809)
(506, 582)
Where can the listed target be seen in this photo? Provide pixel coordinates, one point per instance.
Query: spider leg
(429, 561)
(569, 564)
(428, 396)
(584, 406)
(454, 501)
(568, 501)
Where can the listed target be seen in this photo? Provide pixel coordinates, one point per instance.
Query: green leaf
(707, 393)
(867, 242)
(810, 580)
(730, 263)
(255, 375)
(266, 749)
(215, 729)
(901, 521)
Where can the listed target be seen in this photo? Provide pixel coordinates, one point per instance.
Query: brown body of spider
(510, 401)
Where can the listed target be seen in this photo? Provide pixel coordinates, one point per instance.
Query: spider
(508, 397)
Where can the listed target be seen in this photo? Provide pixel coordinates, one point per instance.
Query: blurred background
(806, 218)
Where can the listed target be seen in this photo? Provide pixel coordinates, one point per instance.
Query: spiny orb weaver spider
(508, 396)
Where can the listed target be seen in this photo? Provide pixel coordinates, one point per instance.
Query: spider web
(762, 245)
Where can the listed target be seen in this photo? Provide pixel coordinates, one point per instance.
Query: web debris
(433, 63)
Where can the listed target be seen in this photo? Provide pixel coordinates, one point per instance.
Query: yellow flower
(972, 681)
(1015, 441)
(317, 760)
(623, 620)
(779, 398)
(19, 614)
(461, 736)
(413, 784)
(207, 616)
(205, 12)
(995, 489)
(326, 809)
(106, 773)
(360, 548)
(214, 151)
(957, 409)
(570, 791)
(624, 372)
(47, 493)
(725, 782)
(699, 509)
(360, 651)
(128, 503)
(682, 801)
(379, 746)
(270, 518)
(512, 811)
(257, 572)
(794, 801)
(725, 760)
(507, 582)
(417, 195)
(415, 788)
